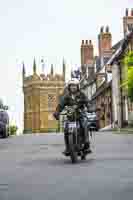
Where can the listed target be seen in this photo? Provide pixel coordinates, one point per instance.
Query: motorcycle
(73, 131)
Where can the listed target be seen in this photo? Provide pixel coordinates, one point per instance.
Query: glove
(56, 115)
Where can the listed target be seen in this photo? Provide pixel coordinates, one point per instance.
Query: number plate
(72, 125)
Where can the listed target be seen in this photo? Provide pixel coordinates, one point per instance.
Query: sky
(52, 30)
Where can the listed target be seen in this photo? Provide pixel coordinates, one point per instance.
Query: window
(51, 101)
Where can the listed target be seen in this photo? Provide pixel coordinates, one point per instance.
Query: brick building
(107, 75)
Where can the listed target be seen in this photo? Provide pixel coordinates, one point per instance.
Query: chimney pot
(82, 42)
(101, 30)
(90, 42)
(86, 41)
(132, 12)
(107, 29)
(126, 12)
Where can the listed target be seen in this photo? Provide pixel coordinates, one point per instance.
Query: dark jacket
(80, 99)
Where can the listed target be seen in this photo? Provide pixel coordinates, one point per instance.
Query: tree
(2, 106)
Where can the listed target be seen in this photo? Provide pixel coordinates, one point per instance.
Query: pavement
(32, 167)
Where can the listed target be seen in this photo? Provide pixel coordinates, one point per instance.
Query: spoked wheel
(72, 148)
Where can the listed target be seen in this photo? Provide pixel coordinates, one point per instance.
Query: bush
(13, 129)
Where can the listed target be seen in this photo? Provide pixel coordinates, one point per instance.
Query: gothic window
(51, 101)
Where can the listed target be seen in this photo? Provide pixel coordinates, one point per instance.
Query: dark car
(4, 123)
(93, 119)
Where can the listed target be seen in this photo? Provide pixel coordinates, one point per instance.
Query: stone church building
(41, 94)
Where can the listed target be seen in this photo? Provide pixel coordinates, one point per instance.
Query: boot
(87, 142)
(87, 147)
(66, 151)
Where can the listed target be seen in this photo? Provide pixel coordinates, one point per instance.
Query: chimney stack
(105, 42)
(87, 52)
(127, 21)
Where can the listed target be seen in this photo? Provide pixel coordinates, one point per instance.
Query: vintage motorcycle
(73, 130)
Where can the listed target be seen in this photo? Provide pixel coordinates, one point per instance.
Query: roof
(121, 49)
(102, 88)
(89, 83)
(117, 45)
(99, 64)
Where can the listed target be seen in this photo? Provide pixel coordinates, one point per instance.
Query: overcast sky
(51, 29)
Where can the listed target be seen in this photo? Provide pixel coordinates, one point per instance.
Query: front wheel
(72, 148)
(83, 157)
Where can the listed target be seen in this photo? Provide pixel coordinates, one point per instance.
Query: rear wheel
(72, 148)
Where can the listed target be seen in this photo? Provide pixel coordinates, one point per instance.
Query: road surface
(33, 168)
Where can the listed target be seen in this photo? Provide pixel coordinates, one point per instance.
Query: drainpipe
(121, 97)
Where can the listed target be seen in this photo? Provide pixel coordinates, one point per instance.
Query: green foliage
(13, 129)
(2, 106)
(130, 83)
(128, 62)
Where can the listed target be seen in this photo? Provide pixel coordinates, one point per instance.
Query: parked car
(4, 122)
(93, 119)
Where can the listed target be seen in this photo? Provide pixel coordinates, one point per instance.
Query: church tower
(41, 94)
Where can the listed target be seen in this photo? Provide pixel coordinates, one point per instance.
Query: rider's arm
(60, 107)
(62, 104)
(84, 100)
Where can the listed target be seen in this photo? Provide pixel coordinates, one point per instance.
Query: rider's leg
(66, 151)
(85, 135)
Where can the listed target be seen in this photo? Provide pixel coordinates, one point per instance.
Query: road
(33, 168)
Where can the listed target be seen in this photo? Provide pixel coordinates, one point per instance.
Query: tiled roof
(101, 89)
(122, 47)
(117, 45)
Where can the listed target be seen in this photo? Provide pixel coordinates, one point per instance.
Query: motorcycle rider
(75, 97)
